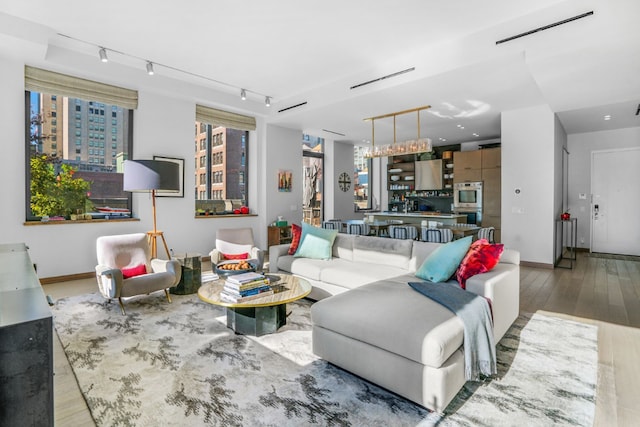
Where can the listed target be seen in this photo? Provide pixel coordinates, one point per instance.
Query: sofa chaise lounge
(371, 323)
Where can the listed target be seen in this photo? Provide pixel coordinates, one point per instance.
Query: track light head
(243, 94)
(150, 68)
(103, 55)
(267, 101)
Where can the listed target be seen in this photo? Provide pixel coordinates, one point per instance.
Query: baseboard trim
(80, 276)
(66, 278)
(536, 264)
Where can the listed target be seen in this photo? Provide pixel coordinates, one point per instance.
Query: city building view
(220, 169)
(87, 138)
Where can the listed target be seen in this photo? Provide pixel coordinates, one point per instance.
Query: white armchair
(131, 251)
(236, 241)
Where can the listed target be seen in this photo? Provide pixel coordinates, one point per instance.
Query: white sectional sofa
(379, 328)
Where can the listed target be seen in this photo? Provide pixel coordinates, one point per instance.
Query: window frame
(29, 217)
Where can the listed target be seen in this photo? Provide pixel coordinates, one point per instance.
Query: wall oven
(467, 196)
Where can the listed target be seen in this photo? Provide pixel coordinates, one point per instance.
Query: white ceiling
(314, 52)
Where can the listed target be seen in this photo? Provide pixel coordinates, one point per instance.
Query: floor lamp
(152, 176)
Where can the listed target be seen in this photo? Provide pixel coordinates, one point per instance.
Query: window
(221, 154)
(312, 173)
(63, 179)
(361, 172)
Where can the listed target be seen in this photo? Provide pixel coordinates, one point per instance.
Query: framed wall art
(180, 163)
(285, 178)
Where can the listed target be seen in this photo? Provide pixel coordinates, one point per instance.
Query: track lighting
(103, 55)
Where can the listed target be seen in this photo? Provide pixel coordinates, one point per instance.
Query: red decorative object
(236, 211)
(296, 234)
(480, 258)
(138, 270)
(236, 256)
(244, 210)
(565, 216)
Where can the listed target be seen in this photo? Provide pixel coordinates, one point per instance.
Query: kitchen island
(416, 218)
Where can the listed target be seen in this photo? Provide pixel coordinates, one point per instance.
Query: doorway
(615, 201)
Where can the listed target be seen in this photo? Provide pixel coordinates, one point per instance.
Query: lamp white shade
(147, 175)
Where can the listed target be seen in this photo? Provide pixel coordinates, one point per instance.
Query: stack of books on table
(245, 287)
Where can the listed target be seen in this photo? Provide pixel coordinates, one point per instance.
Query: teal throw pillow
(315, 242)
(444, 261)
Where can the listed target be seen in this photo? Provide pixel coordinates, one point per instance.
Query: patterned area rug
(178, 364)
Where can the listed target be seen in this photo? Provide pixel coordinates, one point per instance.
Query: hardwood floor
(600, 291)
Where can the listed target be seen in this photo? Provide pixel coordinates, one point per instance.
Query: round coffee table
(262, 315)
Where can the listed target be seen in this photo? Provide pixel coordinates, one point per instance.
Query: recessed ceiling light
(607, 117)
(475, 134)
(442, 139)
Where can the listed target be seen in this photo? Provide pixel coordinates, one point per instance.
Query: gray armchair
(235, 241)
(126, 251)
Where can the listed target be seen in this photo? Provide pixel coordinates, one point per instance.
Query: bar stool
(332, 224)
(430, 234)
(436, 235)
(487, 233)
(406, 232)
(359, 228)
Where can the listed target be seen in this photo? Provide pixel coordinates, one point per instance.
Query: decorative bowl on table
(235, 266)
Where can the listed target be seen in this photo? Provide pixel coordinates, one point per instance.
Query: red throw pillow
(296, 233)
(236, 256)
(138, 270)
(480, 258)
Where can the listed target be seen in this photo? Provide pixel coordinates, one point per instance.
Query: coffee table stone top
(287, 288)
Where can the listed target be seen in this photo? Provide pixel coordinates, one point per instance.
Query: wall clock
(344, 181)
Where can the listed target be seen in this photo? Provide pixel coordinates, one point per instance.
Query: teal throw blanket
(474, 311)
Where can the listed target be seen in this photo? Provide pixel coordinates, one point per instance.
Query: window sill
(223, 216)
(78, 221)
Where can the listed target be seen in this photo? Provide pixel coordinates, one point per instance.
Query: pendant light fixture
(267, 101)
(150, 68)
(414, 146)
(243, 95)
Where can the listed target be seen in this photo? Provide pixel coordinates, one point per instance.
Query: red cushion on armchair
(138, 270)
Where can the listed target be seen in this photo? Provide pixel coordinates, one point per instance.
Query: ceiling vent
(388, 76)
(292, 107)
(333, 132)
(546, 27)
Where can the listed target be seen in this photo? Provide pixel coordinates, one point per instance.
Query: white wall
(581, 145)
(283, 152)
(163, 125)
(342, 200)
(560, 142)
(529, 164)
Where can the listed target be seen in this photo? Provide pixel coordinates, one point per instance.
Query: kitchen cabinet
(483, 165)
(492, 191)
(491, 158)
(278, 235)
(467, 166)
